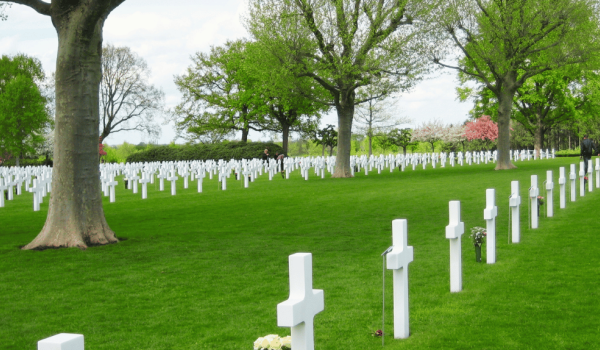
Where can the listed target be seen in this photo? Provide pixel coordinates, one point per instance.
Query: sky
(166, 36)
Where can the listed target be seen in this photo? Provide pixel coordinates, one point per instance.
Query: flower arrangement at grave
(540, 200)
(478, 234)
(273, 342)
(377, 333)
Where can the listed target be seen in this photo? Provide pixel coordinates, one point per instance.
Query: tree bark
(538, 137)
(245, 132)
(75, 216)
(345, 112)
(505, 101)
(370, 144)
(286, 134)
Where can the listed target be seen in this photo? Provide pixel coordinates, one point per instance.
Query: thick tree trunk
(345, 112)
(75, 216)
(286, 135)
(245, 132)
(505, 101)
(538, 137)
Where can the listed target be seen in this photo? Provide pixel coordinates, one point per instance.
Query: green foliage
(224, 150)
(568, 153)
(23, 114)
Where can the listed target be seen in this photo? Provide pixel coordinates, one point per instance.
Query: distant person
(588, 149)
(265, 155)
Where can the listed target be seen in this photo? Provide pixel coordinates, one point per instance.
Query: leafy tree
(24, 117)
(401, 138)
(75, 194)
(430, 132)
(504, 43)
(217, 97)
(345, 45)
(240, 87)
(326, 137)
(128, 101)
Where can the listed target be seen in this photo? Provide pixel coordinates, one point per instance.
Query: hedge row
(225, 150)
(26, 162)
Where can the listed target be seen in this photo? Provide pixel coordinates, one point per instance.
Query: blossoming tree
(482, 128)
(430, 132)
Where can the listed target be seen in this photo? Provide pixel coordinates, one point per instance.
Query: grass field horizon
(207, 270)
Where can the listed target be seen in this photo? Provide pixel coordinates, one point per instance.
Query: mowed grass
(206, 270)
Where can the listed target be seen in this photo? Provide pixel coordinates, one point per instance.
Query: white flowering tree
(429, 132)
(454, 134)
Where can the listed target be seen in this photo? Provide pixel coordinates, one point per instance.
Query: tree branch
(38, 5)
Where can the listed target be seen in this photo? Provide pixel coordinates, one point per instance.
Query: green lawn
(206, 270)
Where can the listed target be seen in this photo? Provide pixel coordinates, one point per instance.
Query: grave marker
(534, 192)
(549, 194)
(562, 183)
(62, 341)
(514, 203)
(489, 215)
(304, 303)
(398, 260)
(454, 231)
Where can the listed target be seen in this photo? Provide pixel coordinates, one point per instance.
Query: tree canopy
(343, 46)
(24, 118)
(504, 43)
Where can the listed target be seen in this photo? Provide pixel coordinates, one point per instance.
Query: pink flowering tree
(482, 128)
(430, 132)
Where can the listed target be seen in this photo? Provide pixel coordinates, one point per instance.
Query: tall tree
(377, 116)
(217, 99)
(240, 86)
(128, 101)
(326, 137)
(344, 45)
(401, 138)
(75, 215)
(23, 117)
(504, 43)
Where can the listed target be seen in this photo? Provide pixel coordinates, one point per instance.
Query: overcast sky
(167, 35)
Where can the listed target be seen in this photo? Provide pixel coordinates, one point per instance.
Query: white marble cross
(37, 189)
(581, 179)
(573, 178)
(534, 192)
(133, 181)
(549, 194)
(304, 303)
(454, 231)
(398, 260)
(112, 183)
(173, 178)
(2, 189)
(590, 175)
(562, 181)
(489, 215)
(62, 341)
(514, 203)
(597, 172)
(144, 181)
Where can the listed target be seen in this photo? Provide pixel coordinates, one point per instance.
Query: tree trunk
(370, 144)
(345, 112)
(505, 101)
(538, 137)
(17, 160)
(286, 135)
(75, 216)
(245, 132)
(323, 150)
